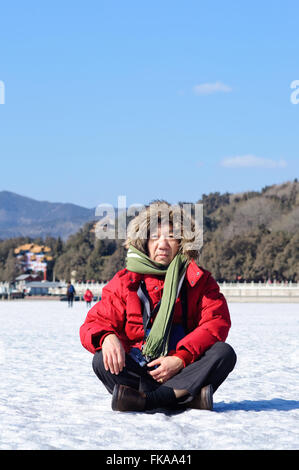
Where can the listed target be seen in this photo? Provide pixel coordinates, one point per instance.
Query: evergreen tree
(12, 269)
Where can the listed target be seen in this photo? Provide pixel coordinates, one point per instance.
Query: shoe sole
(114, 401)
(207, 399)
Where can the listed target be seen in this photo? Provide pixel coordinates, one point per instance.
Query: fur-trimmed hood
(183, 219)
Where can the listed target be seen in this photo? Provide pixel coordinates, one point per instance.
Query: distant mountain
(253, 235)
(226, 215)
(275, 208)
(23, 216)
(247, 236)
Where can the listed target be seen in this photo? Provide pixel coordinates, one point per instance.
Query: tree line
(257, 256)
(244, 239)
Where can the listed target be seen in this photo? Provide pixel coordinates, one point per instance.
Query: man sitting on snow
(158, 334)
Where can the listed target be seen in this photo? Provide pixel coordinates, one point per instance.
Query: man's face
(162, 246)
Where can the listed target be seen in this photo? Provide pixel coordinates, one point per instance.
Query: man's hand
(113, 354)
(168, 366)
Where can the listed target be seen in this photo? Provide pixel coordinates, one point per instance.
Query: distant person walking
(88, 296)
(70, 294)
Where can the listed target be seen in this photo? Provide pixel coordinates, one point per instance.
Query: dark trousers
(211, 368)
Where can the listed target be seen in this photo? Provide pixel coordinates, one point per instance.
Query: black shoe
(127, 399)
(204, 400)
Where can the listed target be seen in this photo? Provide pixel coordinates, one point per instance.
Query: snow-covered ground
(51, 399)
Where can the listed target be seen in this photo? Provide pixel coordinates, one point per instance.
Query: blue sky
(159, 99)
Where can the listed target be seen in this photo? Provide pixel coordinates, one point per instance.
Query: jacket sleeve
(213, 325)
(105, 317)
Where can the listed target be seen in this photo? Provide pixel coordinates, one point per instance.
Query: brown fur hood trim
(186, 227)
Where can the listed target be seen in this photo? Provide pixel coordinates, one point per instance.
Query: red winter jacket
(120, 312)
(88, 296)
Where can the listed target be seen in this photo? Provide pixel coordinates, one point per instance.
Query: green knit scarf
(157, 341)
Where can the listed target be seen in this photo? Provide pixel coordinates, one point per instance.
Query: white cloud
(251, 161)
(210, 88)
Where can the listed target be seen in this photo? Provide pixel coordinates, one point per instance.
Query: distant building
(22, 280)
(41, 288)
(33, 257)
